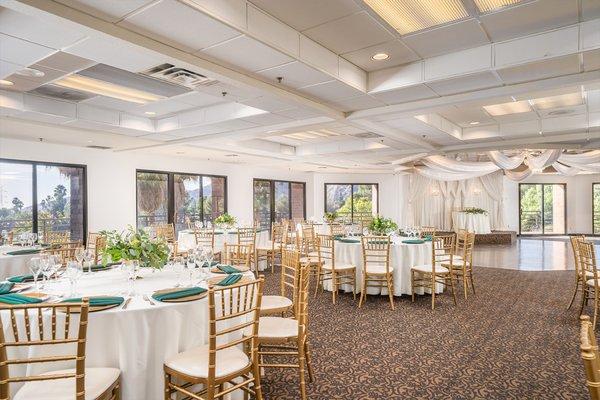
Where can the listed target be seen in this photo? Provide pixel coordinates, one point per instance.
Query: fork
(148, 300)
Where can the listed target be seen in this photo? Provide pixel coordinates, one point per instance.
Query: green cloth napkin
(98, 301)
(100, 267)
(348, 240)
(14, 298)
(228, 269)
(413, 241)
(177, 294)
(23, 252)
(20, 278)
(6, 287)
(427, 238)
(230, 280)
(212, 264)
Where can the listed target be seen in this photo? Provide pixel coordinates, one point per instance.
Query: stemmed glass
(132, 267)
(191, 264)
(202, 262)
(35, 266)
(178, 269)
(88, 256)
(47, 268)
(79, 254)
(73, 272)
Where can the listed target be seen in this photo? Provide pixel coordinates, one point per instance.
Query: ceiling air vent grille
(180, 76)
(367, 135)
(97, 147)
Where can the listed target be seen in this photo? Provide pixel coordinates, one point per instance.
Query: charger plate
(180, 299)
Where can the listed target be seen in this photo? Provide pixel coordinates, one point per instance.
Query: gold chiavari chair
(328, 269)
(336, 229)
(461, 262)
(206, 238)
(377, 271)
(579, 275)
(287, 338)
(290, 270)
(96, 243)
(425, 231)
(39, 330)
(232, 310)
(238, 255)
(248, 236)
(65, 251)
(591, 359)
(587, 263)
(309, 255)
(429, 276)
(166, 231)
(56, 237)
(272, 249)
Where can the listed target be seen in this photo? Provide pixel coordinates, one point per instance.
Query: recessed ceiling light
(515, 107)
(231, 155)
(380, 56)
(31, 72)
(474, 123)
(150, 113)
(408, 16)
(5, 82)
(491, 5)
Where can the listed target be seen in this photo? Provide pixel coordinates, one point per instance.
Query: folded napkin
(98, 301)
(230, 280)
(6, 287)
(14, 298)
(427, 238)
(348, 240)
(23, 252)
(20, 278)
(100, 267)
(178, 294)
(228, 269)
(413, 241)
(212, 264)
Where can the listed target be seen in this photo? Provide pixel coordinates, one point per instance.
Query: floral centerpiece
(135, 245)
(225, 220)
(330, 217)
(382, 226)
(475, 210)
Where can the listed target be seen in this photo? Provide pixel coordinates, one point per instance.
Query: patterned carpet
(513, 340)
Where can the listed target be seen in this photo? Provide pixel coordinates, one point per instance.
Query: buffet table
(477, 223)
(138, 339)
(11, 265)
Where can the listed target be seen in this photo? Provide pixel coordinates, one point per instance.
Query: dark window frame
(171, 191)
(543, 224)
(272, 197)
(34, 190)
(376, 185)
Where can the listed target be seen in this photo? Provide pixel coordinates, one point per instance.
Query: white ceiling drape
(589, 157)
(547, 158)
(565, 169)
(518, 175)
(504, 162)
(451, 165)
(441, 175)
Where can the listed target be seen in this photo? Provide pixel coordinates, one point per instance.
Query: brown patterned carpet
(513, 340)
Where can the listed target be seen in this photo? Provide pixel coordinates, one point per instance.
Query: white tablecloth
(478, 223)
(402, 258)
(187, 240)
(14, 265)
(136, 340)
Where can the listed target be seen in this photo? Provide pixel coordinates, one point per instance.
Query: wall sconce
(435, 192)
(476, 191)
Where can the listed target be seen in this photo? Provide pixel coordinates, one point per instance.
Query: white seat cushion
(377, 269)
(455, 263)
(339, 267)
(274, 303)
(427, 269)
(268, 246)
(314, 254)
(309, 260)
(275, 328)
(194, 362)
(97, 381)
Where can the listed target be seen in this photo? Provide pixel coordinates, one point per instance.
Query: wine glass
(47, 268)
(178, 269)
(88, 256)
(132, 267)
(190, 265)
(35, 266)
(56, 262)
(73, 272)
(79, 254)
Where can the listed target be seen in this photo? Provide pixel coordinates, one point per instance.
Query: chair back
(166, 231)
(232, 310)
(575, 247)
(290, 275)
(56, 237)
(301, 314)
(326, 249)
(587, 260)
(97, 243)
(589, 354)
(41, 330)
(278, 234)
(205, 237)
(427, 231)
(65, 251)
(246, 236)
(308, 230)
(465, 241)
(442, 247)
(238, 254)
(336, 229)
(376, 251)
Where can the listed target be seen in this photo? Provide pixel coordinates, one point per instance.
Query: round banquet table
(186, 239)
(477, 223)
(14, 265)
(402, 257)
(138, 339)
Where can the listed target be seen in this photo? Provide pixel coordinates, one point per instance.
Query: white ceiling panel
(161, 108)
(298, 113)
(111, 103)
(331, 91)
(518, 117)
(22, 52)
(268, 104)
(233, 93)
(111, 10)
(590, 9)
(357, 103)
(295, 75)
(267, 119)
(350, 33)
(446, 39)
(8, 68)
(179, 25)
(468, 83)
(398, 52)
(246, 53)
(530, 17)
(161, 137)
(402, 95)
(464, 116)
(65, 62)
(540, 70)
(591, 60)
(32, 82)
(198, 99)
(305, 14)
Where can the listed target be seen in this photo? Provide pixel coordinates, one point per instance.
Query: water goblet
(132, 267)
(79, 254)
(178, 269)
(191, 266)
(88, 256)
(73, 272)
(35, 266)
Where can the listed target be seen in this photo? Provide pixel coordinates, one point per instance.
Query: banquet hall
(285, 199)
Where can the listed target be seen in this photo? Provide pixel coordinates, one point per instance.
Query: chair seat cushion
(309, 260)
(268, 246)
(590, 282)
(194, 362)
(455, 263)
(275, 303)
(97, 381)
(377, 269)
(427, 269)
(314, 254)
(275, 328)
(339, 267)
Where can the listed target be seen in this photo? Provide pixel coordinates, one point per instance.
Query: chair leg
(390, 286)
(363, 295)
(471, 279)
(433, 291)
(256, 374)
(412, 284)
(167, 390)
(584, 296)
(464, 279)
(574, 293)
(596, 293)
(354, 285)
(311, 375)
(334, 287)
(301, 372)
(452, 288)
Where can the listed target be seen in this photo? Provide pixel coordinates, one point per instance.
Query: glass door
(596, 208)
(262, 203)
(542, 209)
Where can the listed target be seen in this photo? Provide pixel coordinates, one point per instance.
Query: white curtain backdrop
(432, 202)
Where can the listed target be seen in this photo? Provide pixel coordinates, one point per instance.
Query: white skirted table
(186, 239)
(11, 265)
(477, 223)
(136, 340)
(402, 257)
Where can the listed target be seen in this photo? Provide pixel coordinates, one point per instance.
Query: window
(542, 208)
(43, 197)
(596, 208)
(182, 199)
(277, 200)
(352, 201)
